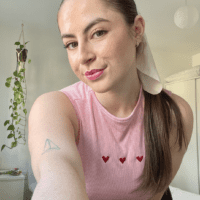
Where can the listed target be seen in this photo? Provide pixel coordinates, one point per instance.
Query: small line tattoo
(49, 145)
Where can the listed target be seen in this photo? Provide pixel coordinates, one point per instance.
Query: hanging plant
(19, 98)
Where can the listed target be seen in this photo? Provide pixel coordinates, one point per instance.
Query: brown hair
(157, 172)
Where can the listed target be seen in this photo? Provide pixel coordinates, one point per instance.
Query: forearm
(59, 182)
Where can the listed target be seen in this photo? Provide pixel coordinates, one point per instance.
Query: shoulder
(58, 99)
(55, 100)
(187, 115)
(61, 101)
(185, 109)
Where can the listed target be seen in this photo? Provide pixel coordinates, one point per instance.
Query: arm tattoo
(49, 145)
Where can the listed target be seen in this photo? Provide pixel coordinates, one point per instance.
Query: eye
(67, 46)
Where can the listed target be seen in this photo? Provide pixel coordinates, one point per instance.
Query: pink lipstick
(94, 74)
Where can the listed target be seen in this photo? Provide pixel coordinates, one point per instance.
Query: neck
(121, 102)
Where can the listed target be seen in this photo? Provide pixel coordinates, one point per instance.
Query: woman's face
(113, 49)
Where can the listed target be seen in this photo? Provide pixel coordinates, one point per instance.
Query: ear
(139, 27)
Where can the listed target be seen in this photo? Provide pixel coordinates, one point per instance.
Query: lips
(93, 71)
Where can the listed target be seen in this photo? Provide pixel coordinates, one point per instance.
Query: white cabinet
(11, 187)
(188, 176)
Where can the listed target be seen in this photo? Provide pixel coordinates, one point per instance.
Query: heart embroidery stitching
(140, 158)
(122, 160)
(105, 159)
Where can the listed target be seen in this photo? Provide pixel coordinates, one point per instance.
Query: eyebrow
(89, 26)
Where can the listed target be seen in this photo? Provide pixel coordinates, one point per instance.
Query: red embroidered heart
(140, 158)
(122, 159)
(105, 159)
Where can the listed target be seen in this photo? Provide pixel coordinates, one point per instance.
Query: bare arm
(59, 181)
(55, 160)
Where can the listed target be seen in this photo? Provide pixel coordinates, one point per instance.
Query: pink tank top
(112, 149)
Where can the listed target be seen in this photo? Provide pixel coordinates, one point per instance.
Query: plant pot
(21, 56)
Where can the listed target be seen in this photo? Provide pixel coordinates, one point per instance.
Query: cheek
(112, 48)
(119, 50)
(74, 65)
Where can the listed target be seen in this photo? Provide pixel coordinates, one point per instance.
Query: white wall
(169, 63)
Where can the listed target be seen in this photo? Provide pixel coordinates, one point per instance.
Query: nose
(85, 54)
(86, 60)
(90, 60)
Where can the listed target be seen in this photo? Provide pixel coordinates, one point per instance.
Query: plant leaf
(10, 135)
(3, 146)
(11, 128)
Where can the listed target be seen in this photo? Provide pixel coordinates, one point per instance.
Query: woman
(112, 106)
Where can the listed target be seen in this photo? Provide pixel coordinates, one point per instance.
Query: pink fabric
(112, 149)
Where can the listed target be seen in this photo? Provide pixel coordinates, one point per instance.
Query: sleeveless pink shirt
(112, 149)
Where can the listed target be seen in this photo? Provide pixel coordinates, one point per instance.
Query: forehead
(75, 14)
(72, 9)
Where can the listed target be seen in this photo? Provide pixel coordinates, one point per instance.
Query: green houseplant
(18, 97)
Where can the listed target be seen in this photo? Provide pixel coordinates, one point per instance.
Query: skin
(119, 87)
